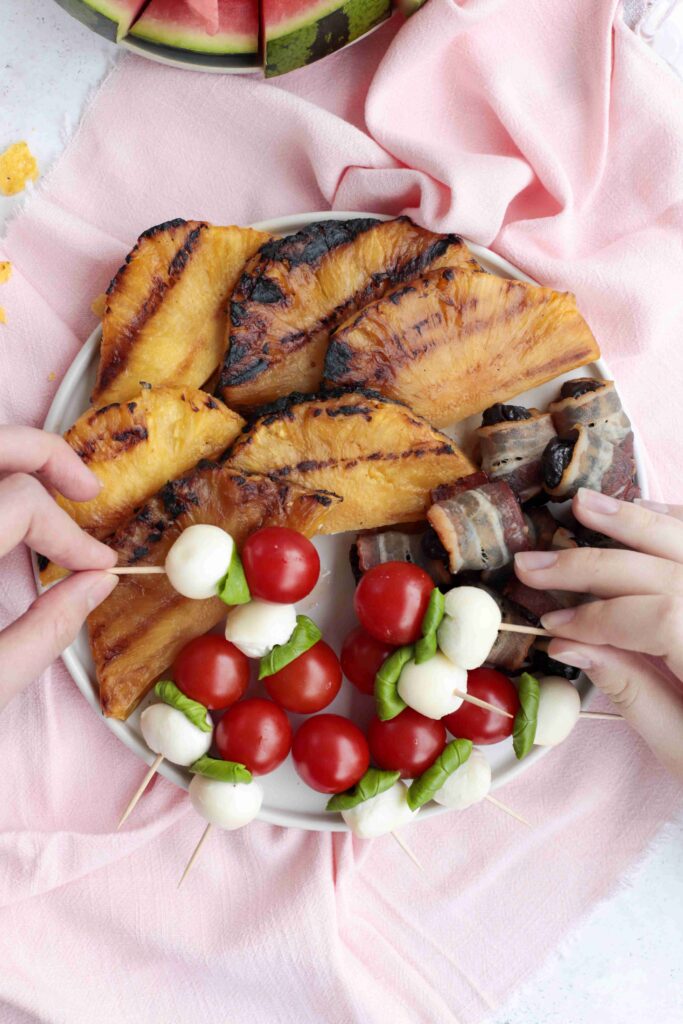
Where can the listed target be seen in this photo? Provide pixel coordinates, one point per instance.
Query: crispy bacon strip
(511, 450)
(480, 528)
(396, 546)
(594, 404)
(584, 459)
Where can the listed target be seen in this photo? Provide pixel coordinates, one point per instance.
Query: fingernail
(553, 620)
(654, 506)
(531, 560)
(596, 502)
(577, 659)
(101, 589)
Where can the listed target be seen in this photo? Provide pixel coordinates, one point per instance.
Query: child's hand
(640, 613)
(28, 513)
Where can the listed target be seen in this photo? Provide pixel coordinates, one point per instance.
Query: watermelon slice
(182, 25)
(298, 32)
(109, 18)
(208, 12)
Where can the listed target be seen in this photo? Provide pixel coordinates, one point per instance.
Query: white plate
(288, 801)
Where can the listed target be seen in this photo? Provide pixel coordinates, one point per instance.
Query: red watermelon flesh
(176, 23)
(122, 12)
(207, 10)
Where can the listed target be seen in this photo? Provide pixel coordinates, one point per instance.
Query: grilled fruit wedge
(137, 632)
(380, 457)
(135, 447)
(164, 319)
(450, 344)
(297, 289)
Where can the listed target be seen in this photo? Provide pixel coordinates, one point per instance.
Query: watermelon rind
(184, 37)
(193, 59)
(320, 32)
(101, 16)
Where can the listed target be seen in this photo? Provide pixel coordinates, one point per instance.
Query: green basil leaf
(389, 704)
(524, 728)
(423, 788)
(425, 648)
(192, 709)
(435, 612)
(373, 782)
(306, 634)
(224, 771)
(233, 589)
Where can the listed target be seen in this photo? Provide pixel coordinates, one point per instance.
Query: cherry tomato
(212, 670)
(330, 753)
(309, 683)
(280, 564)
(255, 733)
(477, 724)
(361, 657)
(408, 744)
(391, 600)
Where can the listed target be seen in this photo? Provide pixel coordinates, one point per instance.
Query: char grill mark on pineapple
(454, 343)
(375, 453)
(296, 290)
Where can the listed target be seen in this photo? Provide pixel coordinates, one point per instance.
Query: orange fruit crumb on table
(17, 167)
(5, 271)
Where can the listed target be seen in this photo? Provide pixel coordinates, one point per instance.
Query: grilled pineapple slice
(164, 319)
(137, 632)
(134, 448)
(295, 290)
(380, 457)
(450, 344)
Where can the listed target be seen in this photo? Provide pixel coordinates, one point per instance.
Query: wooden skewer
(508, 810)
(195, 854)
(511, 627)
(153, 768)
(138, 570)
(406, 849)
(600, 714)
(481, 703)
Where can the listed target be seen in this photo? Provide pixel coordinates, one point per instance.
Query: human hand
(28, 513)
(639, 614)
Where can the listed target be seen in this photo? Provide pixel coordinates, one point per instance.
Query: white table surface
(624, 963)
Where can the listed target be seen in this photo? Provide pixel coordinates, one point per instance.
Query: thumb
(37, 639)
(639, 691)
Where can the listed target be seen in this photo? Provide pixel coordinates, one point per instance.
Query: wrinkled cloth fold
(547, 131)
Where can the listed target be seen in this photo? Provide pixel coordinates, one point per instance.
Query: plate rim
(286, 819)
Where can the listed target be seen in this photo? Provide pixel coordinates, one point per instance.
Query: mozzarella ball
(381, 814)
(169, 732)
(428, 688)
(199, 560)
(257, 627)
(226, 804)
(468, 785)
(469, 627)
(559, 706)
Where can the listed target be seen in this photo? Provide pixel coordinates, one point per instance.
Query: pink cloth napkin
(545, 130)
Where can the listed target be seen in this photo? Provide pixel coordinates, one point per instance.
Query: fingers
(652, 625)
(639, 691)
(633, 525)
(605, 572)
(35, 640)
(28, 513)
(26, 450)
(656, 506)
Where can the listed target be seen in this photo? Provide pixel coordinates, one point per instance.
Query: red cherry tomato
(408, 744)
(477, 724)
(391, 600)
(255, 733)
(309, 683)
(280, 564)
(212, 670)
(330, 753)
(361, 657)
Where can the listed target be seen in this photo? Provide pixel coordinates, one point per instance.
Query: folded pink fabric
(545, 130)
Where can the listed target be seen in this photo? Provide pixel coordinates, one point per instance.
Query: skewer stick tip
(508, 810)
(195, 854)
(153, 768)
(406, 849)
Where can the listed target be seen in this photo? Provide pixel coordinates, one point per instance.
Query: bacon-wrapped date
(582, 458)
(512, 440)
(396, 546)
(480, 528)
(594, 404)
